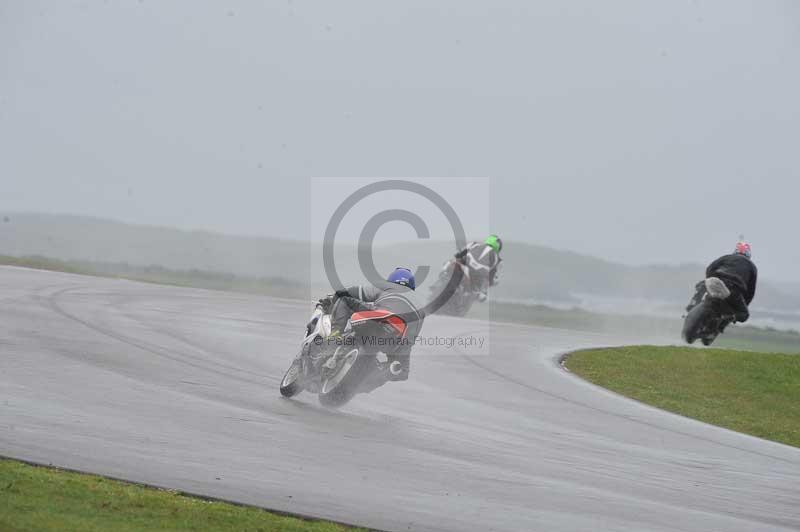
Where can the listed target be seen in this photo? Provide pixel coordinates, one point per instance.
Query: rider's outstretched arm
(368, 294)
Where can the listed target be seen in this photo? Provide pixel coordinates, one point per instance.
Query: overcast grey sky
(635, 131)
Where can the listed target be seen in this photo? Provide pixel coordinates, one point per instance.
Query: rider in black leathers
(739, 274)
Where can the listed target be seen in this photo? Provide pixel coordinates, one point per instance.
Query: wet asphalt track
(179, 388)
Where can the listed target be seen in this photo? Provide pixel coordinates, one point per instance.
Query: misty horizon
(239, 292)
(657, 134)
(378, 244)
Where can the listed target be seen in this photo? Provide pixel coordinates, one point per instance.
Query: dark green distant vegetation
(739, 337)
(531, 272)
(277, 287)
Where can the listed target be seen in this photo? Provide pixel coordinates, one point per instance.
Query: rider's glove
(360, 306)
(325, 303)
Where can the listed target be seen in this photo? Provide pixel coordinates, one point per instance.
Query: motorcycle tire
(290, 384)
(340, 387)
(695, 322)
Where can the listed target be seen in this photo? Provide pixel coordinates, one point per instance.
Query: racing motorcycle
(458, 295)
(339, 366)
(710, 313)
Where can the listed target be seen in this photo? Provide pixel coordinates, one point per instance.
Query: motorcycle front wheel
(290, 384)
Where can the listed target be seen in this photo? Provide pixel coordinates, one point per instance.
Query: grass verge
(34, 498)
(754, 393)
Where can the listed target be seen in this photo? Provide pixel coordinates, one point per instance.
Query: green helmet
(494, 242)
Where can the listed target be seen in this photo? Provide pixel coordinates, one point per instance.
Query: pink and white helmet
(743, 248)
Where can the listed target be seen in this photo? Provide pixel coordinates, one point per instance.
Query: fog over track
(178, 387)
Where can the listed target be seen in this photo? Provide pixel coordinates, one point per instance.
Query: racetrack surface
(178, 387)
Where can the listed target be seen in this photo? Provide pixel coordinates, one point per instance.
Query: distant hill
(83, 238)
(531, 272)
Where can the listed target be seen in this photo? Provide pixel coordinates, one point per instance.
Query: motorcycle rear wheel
(339, 388)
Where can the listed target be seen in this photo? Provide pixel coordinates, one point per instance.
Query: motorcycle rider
(487, 256)
(396, 295)
(739, 274)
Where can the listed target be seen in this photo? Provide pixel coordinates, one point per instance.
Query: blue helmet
(404, 277)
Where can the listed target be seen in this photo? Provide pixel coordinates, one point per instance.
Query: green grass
(754, 393)
(42, 499)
